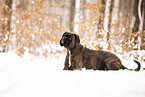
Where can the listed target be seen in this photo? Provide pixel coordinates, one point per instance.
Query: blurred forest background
(29, 25)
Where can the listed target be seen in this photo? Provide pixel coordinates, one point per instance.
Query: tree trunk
(6, 24)
(110, 19)
(143, 33)
(102, 15)
(76, 17)
(72, 13)
(114, 16)
(139, 13)
(106, 19)
(136, 24)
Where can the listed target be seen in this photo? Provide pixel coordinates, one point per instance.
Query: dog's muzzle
(65, 41)
(61, 42)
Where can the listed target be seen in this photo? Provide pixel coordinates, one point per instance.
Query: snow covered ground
(39, 77)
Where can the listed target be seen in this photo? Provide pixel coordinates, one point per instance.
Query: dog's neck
(76, 49)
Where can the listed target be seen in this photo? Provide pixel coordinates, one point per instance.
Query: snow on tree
(30, 25)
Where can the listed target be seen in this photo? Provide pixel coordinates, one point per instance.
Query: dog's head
(69, 40)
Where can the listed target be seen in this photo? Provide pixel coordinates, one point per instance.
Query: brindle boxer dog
(81, 57)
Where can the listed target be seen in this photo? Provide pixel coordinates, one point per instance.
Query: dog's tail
(138, 67)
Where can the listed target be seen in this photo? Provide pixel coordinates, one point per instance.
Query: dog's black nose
(61, 42)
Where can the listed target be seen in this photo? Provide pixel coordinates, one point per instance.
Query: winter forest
(29, 25)
(32, 59)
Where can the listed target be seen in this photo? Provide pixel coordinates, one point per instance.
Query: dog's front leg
(67, 65)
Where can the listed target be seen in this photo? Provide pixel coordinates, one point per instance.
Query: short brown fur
(82, 57)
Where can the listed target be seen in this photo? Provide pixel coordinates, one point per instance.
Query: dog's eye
(66, 35)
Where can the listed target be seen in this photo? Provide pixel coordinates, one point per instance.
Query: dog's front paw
(65, 68)
(68, 68)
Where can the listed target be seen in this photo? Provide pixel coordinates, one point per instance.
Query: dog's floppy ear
(77, 38)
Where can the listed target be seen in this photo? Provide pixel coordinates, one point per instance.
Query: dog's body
(90, 59)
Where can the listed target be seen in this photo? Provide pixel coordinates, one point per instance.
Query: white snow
(44, 77)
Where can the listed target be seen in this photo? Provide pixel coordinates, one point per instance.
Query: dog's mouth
(65, 41)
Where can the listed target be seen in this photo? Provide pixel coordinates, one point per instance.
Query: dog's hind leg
(113, 64)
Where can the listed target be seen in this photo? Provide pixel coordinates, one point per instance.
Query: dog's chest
(75, 60)
(69, 58)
